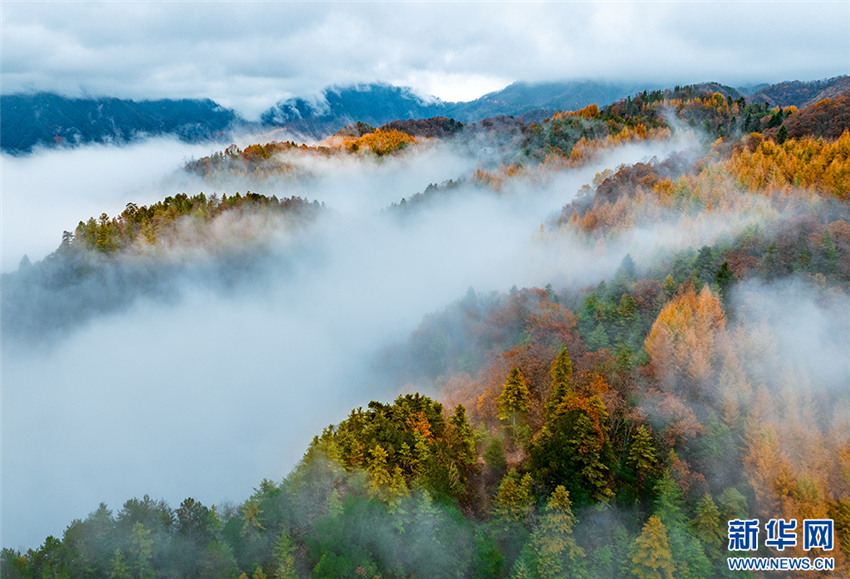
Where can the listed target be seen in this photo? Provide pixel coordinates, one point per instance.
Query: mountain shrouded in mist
(50, 119)
(45, 119)
(572, 347)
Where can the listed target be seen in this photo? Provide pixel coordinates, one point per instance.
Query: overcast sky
(248, 55)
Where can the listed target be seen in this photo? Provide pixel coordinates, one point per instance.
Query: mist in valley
(204, 388)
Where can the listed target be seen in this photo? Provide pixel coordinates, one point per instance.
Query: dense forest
(609, 430)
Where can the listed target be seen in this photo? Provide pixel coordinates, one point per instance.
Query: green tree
(555, 550)
(494, 455)
(119, 566)
(724, 278)
(512, 404)
(143, 550)
(651, 555)
(705, 526)
(574, 450)
(641, 451)
(283, 558)
(598, 340)
(562, 373)
(733, 505)
(462, 441)
(218, 562)
(514, 500)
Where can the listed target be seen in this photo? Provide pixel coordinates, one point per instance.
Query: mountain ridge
(48, 119)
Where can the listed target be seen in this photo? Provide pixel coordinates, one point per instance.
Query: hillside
(827, 118)
(606, 428)
(377, 104)
(48, 119)
(800, 94)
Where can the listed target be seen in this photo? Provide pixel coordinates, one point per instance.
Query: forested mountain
(609, 430)
(800, 94)
(337, 107)
(377, 104)
(48, 119)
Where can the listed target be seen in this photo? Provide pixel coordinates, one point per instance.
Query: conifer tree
(512, 403)
(574, 450)
(733, 505)
(143, 548)
(562, 373)
(119, 566)
(463, 439)
(284, 561)
(641, 451)
(335, 507)
(513, 502)
(651, 556)
(555, 550)
(705, 525)
(494, 455)
(379, 475)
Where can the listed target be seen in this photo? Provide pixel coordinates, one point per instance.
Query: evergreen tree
(119, 566)
(705, 525)
(512, 404)
(514, 500)
(494, 455)
(143, 550)
(284, 561)
(651, 556)
(627, 267)
(670, 286)
(724, 278)
(562, 373)
(556, 553)
(641, 451)
(733, 505)
(463, 439)
(574, 450)
(598, 340)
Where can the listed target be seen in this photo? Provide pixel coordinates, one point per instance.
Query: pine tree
(705, 525)
(119, 566)
(670, 286)
(598, 340)
(335, 506)
(462, 440)
(562, 373)
(512, 403)
(669, 502)
(284, 562)
(379, 475)
(555, 550)
(724, 279)
(574, 450)
(733, 505)
(641, 451)
(143, 548)
(651, 556)
(513, 502)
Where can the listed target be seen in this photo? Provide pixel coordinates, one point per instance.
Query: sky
(249, 55)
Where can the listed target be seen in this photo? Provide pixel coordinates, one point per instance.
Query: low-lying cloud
(208, 392)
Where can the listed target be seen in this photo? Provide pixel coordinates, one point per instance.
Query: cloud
(208, 392)
(248, 55)
(53, 190)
